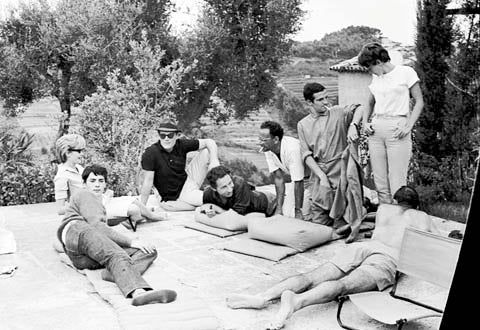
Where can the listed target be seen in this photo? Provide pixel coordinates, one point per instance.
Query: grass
(449, 210)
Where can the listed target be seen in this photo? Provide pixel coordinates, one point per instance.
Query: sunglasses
(169, 135)
(77, 150)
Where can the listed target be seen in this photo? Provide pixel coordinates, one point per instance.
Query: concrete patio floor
(46, 294)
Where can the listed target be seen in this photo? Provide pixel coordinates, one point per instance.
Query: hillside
(244, 133)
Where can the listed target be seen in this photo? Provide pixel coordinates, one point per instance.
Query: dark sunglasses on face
(169, 135)
(77, 150)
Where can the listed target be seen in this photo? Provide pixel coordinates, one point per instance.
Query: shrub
(248, 171)
(116, 120)
(14, 148)
(291, 109)
(26, 184)
(22, 181)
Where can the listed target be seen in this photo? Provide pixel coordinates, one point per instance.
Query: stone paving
(45, 294)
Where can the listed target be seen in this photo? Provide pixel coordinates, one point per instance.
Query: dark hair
(216, 173)
(311, 88)
(407, 196)
(274, 128)
(95, 169)
(371, 53)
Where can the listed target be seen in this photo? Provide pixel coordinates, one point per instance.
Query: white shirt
(67, 181)
(291, 162)
(392, 91)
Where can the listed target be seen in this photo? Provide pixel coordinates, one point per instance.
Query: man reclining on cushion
(230, 196)
(361, 266)
(91, 244)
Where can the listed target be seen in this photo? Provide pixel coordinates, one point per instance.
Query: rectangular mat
(259, 249)
(188, 311)
(211, 230)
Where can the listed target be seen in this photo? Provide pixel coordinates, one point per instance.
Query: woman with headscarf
(69, 173)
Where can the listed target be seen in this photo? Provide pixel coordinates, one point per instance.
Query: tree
(68, 50)
(116, 119)
(463, 84)
(237, 48)
(447, 137)
(433, 47)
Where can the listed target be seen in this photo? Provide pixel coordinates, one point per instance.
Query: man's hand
(324, 181)
(208, 210)
(298, 214)
(352, 133)
(143, 246)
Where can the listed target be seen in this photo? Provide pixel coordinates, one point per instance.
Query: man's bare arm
(306, 154)
(279, 181)
(147, 184)
(299, 192)
(229, 220)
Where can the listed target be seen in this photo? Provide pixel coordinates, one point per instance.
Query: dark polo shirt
(169, 167)
(244, 200)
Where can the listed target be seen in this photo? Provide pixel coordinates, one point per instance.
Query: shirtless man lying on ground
(362, 266)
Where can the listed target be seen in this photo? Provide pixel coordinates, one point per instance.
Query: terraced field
(295, 84)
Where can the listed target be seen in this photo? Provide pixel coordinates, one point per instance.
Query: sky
(395, 18)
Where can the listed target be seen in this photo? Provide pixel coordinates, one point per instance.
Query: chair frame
(400, 322)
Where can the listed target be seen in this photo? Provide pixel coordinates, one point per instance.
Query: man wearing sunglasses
(163, 166)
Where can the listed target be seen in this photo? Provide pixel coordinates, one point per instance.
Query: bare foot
(344, 230)
(287, 308)
(246, 301)
(353, 235)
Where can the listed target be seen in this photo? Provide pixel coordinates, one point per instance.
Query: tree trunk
(191, 111)
(64, 97)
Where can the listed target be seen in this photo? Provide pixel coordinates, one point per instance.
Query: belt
(389, 116)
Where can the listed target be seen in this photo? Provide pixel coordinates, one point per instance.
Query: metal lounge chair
(423, 256)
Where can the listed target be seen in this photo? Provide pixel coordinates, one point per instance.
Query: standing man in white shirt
(284, 158)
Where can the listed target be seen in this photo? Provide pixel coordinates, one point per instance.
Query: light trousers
(389, 156)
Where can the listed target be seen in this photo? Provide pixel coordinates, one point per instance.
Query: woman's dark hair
(371, 53)
(274, 128)
(407, 196)
(216, 173)
(311, 88)
(95, 169)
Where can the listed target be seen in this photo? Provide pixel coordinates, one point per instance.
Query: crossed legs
(322, 285)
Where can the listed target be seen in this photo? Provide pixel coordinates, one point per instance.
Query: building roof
(350, 65)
